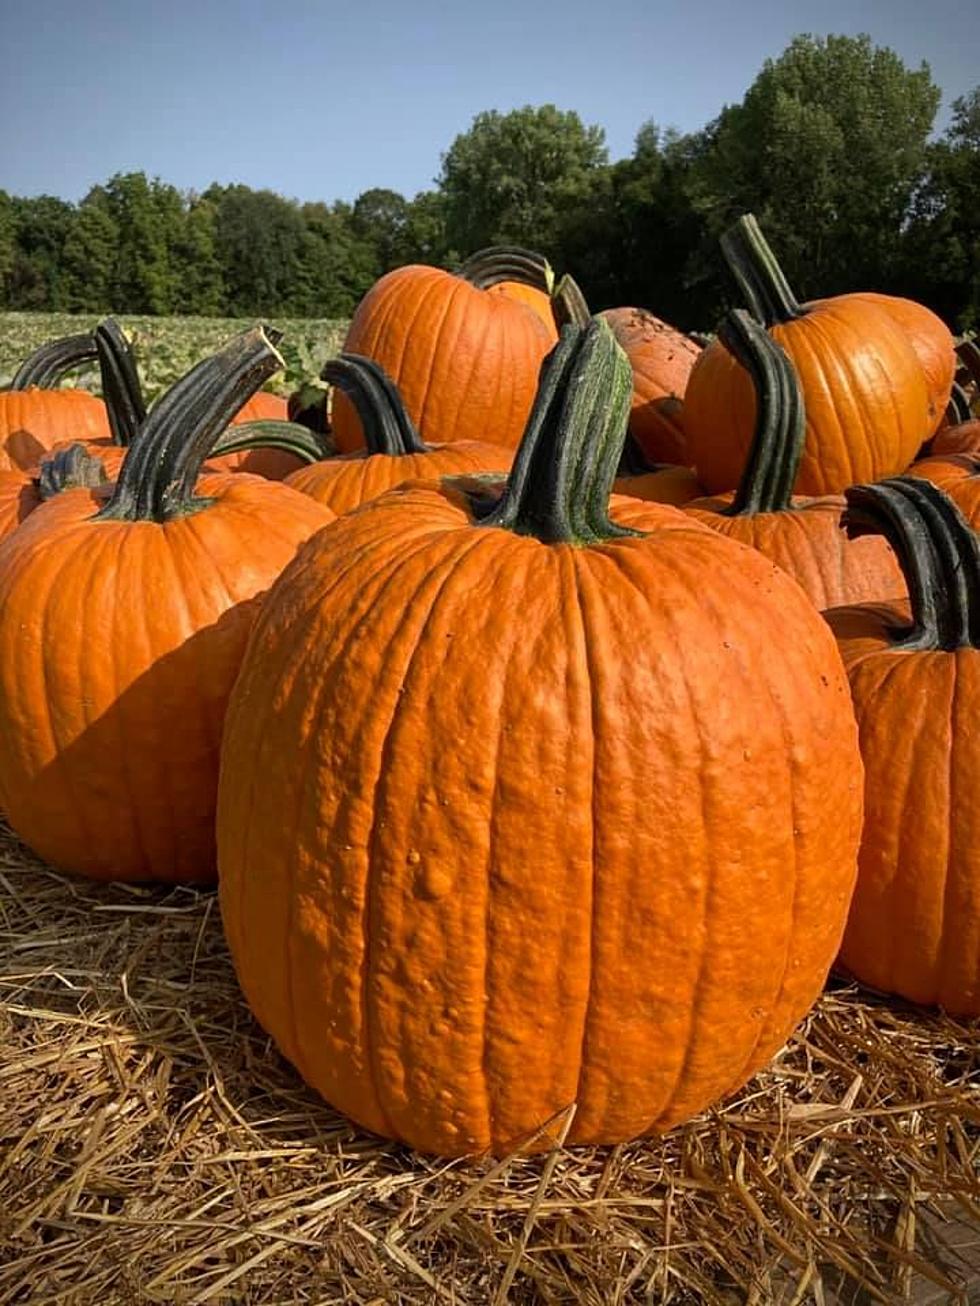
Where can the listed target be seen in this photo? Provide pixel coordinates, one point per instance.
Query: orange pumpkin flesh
(867, 401)
(914, 925)
(541, 811)
(394, 454)
(34, 417)
(123, 618)
(799, 534)
(662, 358)
(464, 358)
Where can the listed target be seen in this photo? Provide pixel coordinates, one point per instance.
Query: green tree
(36, 279)
(337, 265)
(199, 281)
(8, 245)
(147, 216)
(380, 218)
(513, 176)
(90, 255)
(826, 149)
(259, 238)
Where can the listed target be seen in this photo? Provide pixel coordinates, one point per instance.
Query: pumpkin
(124, 613)
(463, 351)
(959, 475)
(22, 492)
(800, 534)
(531, 812)
(394, 453)
(929, 336)
(663, 484)
(34, 417)
(914, 925)
(662, 358)
(867, 401)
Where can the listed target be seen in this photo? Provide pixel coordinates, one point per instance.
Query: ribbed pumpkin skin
(929, 336)
(35, 420)
(344, 483)
(590, 841)
(962, 438)
(914, 926)
(19, 497)
(809, 544)
(867, 404)
(959, 475)
(662, 358)
(673, 485)
(534, 299)
(119, 644)
(464, 359)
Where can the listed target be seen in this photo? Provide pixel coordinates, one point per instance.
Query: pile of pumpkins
(554, 722)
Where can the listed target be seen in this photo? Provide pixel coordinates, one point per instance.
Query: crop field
(166, 347)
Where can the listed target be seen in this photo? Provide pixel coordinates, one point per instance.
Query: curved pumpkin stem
(157, 478)
(70, 468)
(288, 436)
(968, 353)
(938, 552)
(958, 409)
(387, 427)
(48, 364)
(559, 487)
(488, 267)
(759, 276)
(569, 304)
(121, 388)
(780, 418)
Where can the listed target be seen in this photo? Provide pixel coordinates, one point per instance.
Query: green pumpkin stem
(568, 303)
(759, 277)
(562, 476)
(45, 367)
(70, 468)
(270, 434)
(157, 478)
(121, 388)
(780, 419)
(937, 551)
(488, 267)
(958, 409)
(387, 427)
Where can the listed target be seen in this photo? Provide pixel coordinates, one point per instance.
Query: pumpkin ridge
(945, 954)
(446, 567)
(435, 339)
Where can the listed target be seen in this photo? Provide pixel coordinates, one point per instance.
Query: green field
(166, 347)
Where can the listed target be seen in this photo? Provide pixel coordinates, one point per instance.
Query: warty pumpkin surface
(124, 614)
(914, 670)
(867, 401)
(394, 450)
(800, 534)
(588, 841)
(464, 358)
(34, 417)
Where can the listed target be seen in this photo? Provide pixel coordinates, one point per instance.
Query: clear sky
(320, 100)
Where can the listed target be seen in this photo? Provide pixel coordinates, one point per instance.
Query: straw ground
(155, 1148)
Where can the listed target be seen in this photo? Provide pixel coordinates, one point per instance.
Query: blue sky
(321, 100)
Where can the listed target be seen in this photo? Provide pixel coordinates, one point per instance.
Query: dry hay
(155, 1148)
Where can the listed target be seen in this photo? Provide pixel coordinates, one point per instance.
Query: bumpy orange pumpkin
(124, 614)
(542, 811)
(914, 925)
(662, 358)
(800, 534)
(464, 356)
(868, 404)
(395, 453)
(34, 417)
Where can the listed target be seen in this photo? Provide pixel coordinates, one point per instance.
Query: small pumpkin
(395, 452)
(661, 358)
(22, 492)
(124, 613)
(464, 349)
(34, 416)
(521, 793)
(800, 534)
(914, 671)
(869, 407)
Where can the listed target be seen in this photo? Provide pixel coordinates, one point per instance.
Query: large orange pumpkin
(868, 404)
(463, 350)
(800, 534)
(124, 613)
(662, 358)
(914, 925)
(34, 417)
(395, 452)
(533, 812)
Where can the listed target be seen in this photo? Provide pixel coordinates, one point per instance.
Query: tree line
(831, 148)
